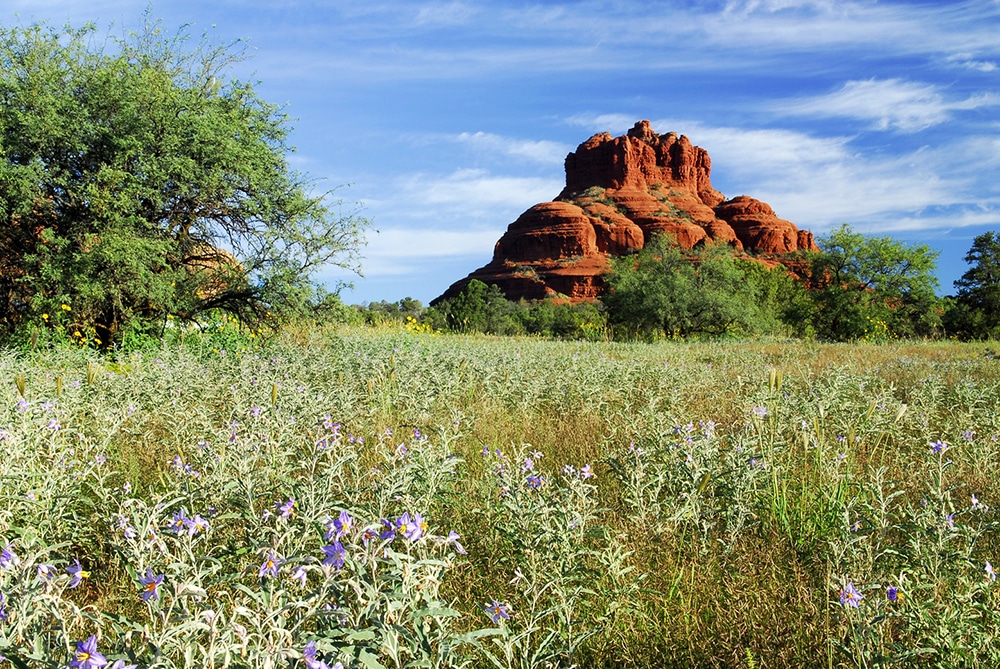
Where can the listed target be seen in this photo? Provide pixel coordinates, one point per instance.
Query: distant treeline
(856, 288)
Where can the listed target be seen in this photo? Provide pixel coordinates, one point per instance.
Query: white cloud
(431, 242)
(540, 151)
(411, 251)
(969, 61)
(439, 14)
(476, 189)
(888, 104)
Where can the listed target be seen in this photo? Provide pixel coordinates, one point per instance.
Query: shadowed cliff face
(620, 191)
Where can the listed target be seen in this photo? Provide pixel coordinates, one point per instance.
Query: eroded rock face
(620, 191)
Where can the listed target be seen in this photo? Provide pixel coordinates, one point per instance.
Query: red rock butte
(620, 192)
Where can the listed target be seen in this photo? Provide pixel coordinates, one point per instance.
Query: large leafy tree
(139, 181)
(976, 312)
(665, 290)
(874, 287)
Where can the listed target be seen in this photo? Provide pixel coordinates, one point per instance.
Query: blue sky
(448, 119)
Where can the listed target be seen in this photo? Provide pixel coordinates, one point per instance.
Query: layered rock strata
(620, 192)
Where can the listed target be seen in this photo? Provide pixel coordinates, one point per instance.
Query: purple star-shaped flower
(309, 655)
(497, 611)
(453, 538)
(271, 565)
(343, 524)
(179, 521)
(8, 558)
(287, 510)
(77, 574)
(388, 530)
(412, 528)
(150, 583)
(334, 555)
(850, 596)
(87, 656)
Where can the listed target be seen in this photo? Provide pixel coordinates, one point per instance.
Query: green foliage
(631, 505)
(138, 182)
(975, 312)
(479, 308)
(663, 290)
(873, 286)
(392, 312)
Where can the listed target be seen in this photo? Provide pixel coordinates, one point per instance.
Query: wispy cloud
(540, 151)
(889, 104)
(431, 242)
(969, 61)
(475, 189)
(402, 251)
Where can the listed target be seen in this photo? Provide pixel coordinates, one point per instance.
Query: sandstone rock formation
(620, 191)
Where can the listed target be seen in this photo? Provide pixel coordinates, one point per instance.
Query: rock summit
(620, 191)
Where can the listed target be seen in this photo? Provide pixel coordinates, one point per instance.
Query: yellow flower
(45, 317)
(66, 307)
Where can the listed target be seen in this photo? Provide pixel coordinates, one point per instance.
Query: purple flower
(849, 596)
(77, 574)
(179, 521)
(453, 538)
(87, 655)
(255, 411)
(3, 608)
(313, 662)
(388, 530)
(990, 573)
(411, 528)
(45, 571)
(286, 510)
(334, 555)
(54, 425)
(586, 472)
(150, 583)
(975, 502)
(938, 447)
(497, 611)
(535, 481)
(8, 558)
(300, 575)
(120, 664)
(368, 535)
(760, 412)
(196, 525)
(892, 593)
(270, 566)
(342, 526)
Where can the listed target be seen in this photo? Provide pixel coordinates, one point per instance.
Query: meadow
(391, 498)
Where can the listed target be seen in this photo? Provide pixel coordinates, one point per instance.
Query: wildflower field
(389, 498)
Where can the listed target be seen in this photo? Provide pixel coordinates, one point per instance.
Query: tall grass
(310, 501)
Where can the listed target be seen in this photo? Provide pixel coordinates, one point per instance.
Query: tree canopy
(705, 292)
(139, 181)
(976, 313)
(873, 286)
